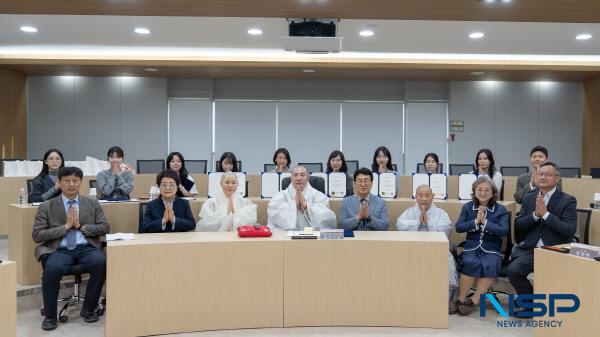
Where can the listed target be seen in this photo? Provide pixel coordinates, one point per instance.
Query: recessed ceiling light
(141, 30)
(308, 70)
(255, 31)
(476, 35)
(477, 73)
(366, 33)
(583, 36)
(150, 69)
(29, 29)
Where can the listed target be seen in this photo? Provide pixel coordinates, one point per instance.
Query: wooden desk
(122, 217)
(376, 279)
(595, 228)
(8, 299)
(180, 282)
(219, 281)
(563, 273)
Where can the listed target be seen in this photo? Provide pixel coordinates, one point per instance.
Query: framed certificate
(465, 186)
(336, 184)
(387, 185)
(269, 184)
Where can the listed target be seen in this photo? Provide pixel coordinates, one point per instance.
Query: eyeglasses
(547, 175)
(363, 182)
(168, 186)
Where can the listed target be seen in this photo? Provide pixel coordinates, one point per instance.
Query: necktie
(71, 234)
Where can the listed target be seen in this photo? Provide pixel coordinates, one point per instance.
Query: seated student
(227, 211)
(300, 205)
(363, 210)
(119, 180)
(486, 222)
(425, 216)
(228, 163)
(176, 162)
(282, 160)
(526, 181)
(45, 185)
(382, 160)
(68, 230)
(548, 217)
(431, 163)
(337, 163)
(484, 166)
(168, 213)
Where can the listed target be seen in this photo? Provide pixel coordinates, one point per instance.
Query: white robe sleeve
(441, 222)
(244, 215)
(214, 218)
(321, 216)
(281, 212)
(407, 221)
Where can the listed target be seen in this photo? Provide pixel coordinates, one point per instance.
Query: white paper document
(119, 236)
(439, 185)
(269, 184)
(387, 185)
(337, 184)
(465, 186)
(419, 179)
(375, 187)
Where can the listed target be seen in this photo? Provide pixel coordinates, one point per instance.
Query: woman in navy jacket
(486, 222)
(168, 213)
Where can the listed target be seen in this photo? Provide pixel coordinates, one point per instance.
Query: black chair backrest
(421, 168)
(141, 210)
(317, 183)
(513, 171)
(583, 225)
(395, 167)
(570, 172)
(352, 167)
(218, 166)
(457, 169)
(269, 167)
(196, 166)
(93, 184)
(29, 182)
(150, 165)
(502, 190)
(507, 244)
(595, 172)
(312, 167)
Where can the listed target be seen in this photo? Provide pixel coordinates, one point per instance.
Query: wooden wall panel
(590, 123)
(13, 114)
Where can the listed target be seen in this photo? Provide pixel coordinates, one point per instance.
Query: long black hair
(286, 153)
(183, 172)
(45, 167)
(490, 157)
(386, 152)
(231, 157)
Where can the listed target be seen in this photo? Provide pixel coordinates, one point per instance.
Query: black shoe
(49, 323)
(89, 316)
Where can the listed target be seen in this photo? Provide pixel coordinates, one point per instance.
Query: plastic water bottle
(22, 196)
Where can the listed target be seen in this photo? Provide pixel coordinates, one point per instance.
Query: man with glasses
(548, 217)
(363, 210)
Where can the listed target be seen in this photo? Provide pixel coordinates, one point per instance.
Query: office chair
(570, 172)
(457, 169)
(141, 211)
(514, 171)
(317, 183)
(595, 172)
(395, 167)
(75, 298)
(583, 226)
(312, 167)
(421, 168)
(150, 165)
(352, 167)
(194, 166)
(94, 184)
(218, 166)
(29, 186)
(269, 167)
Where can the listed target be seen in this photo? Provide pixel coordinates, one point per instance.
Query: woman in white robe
(227, 211)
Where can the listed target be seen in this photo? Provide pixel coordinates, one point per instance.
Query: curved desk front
(183, 282)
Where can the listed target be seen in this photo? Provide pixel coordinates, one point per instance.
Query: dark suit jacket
(152, 223)
(523, 187)
(49, 224)
(39, 186)
(559, 228)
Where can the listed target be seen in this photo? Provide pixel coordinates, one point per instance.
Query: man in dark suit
(68, 229)
(548, 217)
